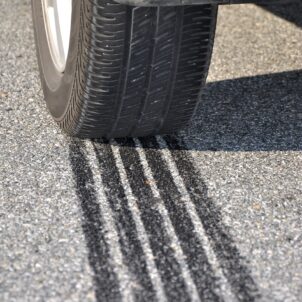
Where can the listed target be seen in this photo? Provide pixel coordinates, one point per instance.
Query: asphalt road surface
(213, 214)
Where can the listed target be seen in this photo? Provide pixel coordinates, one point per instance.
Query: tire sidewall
(57, 86)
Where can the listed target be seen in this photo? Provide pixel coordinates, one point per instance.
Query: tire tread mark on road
(200, 269)
(105, 280)
(231, 261)
(178, 252)
(128, 238)
(164, 258)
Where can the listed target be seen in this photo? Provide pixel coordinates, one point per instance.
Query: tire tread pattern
(139, 70)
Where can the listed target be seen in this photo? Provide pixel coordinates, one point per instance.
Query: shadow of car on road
(289, 11)
(261, 113)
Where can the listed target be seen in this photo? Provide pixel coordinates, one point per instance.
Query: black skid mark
(105, 280)
(197, 261)
(232, 263)
(129, 241)
(164, 255)
(198, 264)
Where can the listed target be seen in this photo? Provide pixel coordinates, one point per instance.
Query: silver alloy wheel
(57, 19)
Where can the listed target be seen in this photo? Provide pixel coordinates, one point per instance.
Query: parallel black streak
(197, 261)
(226, 251)
(153, 222)
(130, 244)
(106, 283)
(107, 287)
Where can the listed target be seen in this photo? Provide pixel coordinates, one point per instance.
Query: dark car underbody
(196, 2)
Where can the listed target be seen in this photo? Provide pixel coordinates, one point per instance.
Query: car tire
(130, 71)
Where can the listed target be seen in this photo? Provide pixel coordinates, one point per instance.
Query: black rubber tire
(131, 71)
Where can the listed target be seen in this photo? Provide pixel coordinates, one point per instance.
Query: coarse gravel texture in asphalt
(211, 214)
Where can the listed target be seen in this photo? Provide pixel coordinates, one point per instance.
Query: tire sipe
(130, 71)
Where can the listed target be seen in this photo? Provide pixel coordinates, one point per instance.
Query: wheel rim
(57, 19)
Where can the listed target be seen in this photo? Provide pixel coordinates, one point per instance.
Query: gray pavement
(211, 214)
